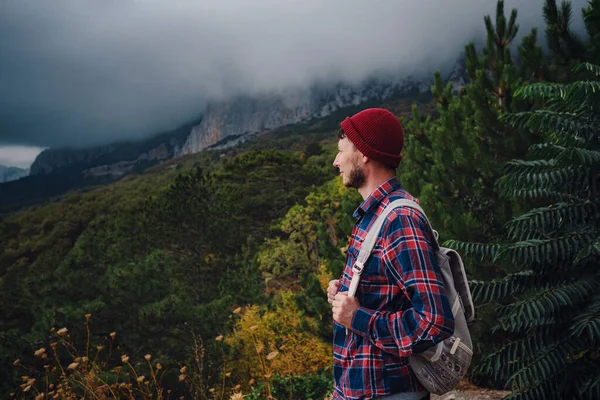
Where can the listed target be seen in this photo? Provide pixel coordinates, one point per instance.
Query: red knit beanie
(377, 134)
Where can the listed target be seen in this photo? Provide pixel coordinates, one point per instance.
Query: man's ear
(365, 159)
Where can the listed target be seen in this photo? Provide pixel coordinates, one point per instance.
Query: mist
(78, 73)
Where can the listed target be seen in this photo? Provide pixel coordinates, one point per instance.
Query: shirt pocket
(374, 273)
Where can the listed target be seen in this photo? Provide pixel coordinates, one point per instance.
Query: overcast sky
(84, 72)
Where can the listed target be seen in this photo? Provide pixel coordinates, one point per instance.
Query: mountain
(8, 174)
(115, 159)
(244, 117)
(57, 171)
(224, 124)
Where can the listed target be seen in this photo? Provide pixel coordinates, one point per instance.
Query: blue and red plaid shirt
(403, 305)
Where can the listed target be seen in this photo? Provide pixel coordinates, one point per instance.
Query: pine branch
(550, 12)
(588, 322)
(549, 121)
(577, 98)
(561, 179)
(557, 216)
(543, 253)
(546, 150)
(531, 166)
(533, 175)
(539, 373)
(580, 157)
(480, 250)
(590, 389)
(499, 289)
(513, 27)
(586, 66)
(542, 194)
(514, 355)
(589, 253)
(541, 91)
(545, 304)
(578, 91)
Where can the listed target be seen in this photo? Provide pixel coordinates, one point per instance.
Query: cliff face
(227, 123)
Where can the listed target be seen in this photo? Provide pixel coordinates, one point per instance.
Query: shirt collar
(377, 196)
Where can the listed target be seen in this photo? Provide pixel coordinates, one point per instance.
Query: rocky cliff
(228, 123)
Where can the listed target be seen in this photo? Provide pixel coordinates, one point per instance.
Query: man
(400, 307)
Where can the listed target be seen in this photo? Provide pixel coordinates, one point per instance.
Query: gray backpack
(441, 367)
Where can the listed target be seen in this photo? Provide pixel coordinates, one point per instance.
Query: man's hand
(332, 290)
(344, 308)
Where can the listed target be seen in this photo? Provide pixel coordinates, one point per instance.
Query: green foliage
(456, 158)
(550, 308)
(152, 257)
(567, 49)
(286, 259)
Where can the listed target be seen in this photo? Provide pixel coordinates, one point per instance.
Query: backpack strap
(412, 204)
(369, 242)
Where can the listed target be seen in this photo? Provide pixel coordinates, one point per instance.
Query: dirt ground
(467, 391)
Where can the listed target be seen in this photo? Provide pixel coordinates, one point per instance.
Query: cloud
(18, 156)
(88, 72)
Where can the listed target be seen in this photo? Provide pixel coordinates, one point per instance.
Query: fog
(76, 73)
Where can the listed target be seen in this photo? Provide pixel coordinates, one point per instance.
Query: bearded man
(400, 307)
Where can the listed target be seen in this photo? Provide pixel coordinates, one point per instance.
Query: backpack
(442, 366)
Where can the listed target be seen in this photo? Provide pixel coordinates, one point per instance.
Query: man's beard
(357, 177)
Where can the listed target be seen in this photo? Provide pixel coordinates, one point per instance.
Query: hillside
(86, 250)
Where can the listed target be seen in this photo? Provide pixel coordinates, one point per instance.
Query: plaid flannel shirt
(403, 305)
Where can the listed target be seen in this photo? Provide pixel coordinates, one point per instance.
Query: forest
(204, 277)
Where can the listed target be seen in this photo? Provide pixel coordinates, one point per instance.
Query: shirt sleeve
(410, 264)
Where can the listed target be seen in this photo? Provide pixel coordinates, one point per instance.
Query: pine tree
(452, 162)
(566, 48)
(591, 16)
(551, 307)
